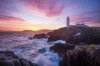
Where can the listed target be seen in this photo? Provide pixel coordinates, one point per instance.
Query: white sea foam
(29, 49)
(58, 41)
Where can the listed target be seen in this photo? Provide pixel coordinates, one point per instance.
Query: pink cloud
(91, 17)
(4, 18)
(46, 7)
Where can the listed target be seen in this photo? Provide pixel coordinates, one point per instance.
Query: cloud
(4, 18)
(8, 7)
(47, 7)
(92, 17)
(55, 7)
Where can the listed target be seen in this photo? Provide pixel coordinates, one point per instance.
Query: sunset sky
(18, 15)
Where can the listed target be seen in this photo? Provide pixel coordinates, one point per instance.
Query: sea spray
(47, 58)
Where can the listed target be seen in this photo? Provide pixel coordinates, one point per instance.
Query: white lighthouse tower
(67, 22)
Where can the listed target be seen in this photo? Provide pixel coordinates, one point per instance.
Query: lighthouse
(67, 22)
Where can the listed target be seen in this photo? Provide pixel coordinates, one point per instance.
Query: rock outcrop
(8, 58)
(76, 35)
(66, 34)
(61, 49)
(83, 57)
(39, 36)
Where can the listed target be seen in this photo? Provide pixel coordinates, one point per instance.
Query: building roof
(79, 25)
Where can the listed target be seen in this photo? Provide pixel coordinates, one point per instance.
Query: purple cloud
(92, 17)
(8, 7)
(49, 7)
(4, 18)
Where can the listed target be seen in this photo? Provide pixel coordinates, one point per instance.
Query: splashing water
(36, 50)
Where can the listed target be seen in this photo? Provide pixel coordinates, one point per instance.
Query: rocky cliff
(76, 35)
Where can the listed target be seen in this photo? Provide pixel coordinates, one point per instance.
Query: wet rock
(82, 57)
(42, 50)
(6, 63)
(96, 55)
(16, 63)
(30, 38)
(53, 38)
(24, 62)
(61, 49)
(32, 64)
(8, 58)
(39, 36)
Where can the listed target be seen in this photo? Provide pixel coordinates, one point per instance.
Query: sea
(35, 50)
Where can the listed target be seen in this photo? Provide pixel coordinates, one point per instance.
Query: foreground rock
(61, 49)
(8, 58)
(82, 57)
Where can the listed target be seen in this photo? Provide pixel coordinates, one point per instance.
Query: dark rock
(53, 38)
(8, 58)
(42, 50)
(39, 36)
(61, 49)
(75, 35)
(82, 57)
(96, 55)
(30, 38)
(16, 63)
(6, 63)
(65, 34)
(32, 64)
(24, 62)
(90, 35)
(9, 53)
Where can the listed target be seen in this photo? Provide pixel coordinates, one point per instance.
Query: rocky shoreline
(78, 35)
(79, 48)
(8, 58)
(82, 57)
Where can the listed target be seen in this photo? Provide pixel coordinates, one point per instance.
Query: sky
(18, 15)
